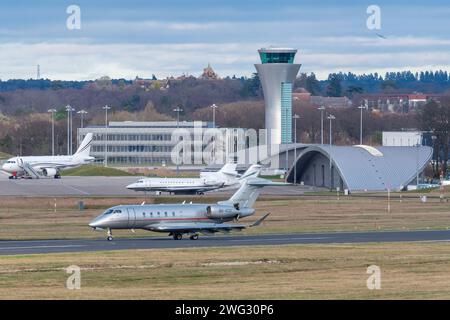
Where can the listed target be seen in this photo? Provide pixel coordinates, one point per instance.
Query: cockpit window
(109, 211)
(117, 211)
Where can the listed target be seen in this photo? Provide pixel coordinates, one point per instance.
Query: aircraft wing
(189, 188)
(196, 227)
(203, 227)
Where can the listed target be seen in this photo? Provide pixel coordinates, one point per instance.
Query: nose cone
(4, 167)
(131, 186)
(99, 222)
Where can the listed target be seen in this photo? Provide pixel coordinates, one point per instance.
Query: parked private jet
(191, 219)
(49, 166)
(225, 177)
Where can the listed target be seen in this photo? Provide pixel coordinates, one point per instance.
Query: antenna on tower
(38, 76)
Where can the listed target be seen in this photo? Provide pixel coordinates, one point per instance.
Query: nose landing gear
(109, 238)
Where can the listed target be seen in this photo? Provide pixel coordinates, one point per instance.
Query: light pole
(322, 108)
(435, 158)
(361, 124)
(214, 107)
(106, 108)
(331, 118)
(82, 113)
(417, 165)
(178, 110)
(295, 117)
(69, 110)
(52, 111)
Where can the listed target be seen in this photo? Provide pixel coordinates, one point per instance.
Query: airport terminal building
(132, 143)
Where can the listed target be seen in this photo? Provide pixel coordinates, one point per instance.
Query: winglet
(258, 222)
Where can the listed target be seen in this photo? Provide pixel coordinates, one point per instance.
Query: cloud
(85, 60)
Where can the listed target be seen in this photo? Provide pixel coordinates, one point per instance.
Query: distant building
(209, 73)
(303, 95)
(398, 103)
(402, 138)
(152, 143)
(331, 102)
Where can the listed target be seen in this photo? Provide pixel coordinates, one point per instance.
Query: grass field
(408, 271)
(38, 217)
(93, 170)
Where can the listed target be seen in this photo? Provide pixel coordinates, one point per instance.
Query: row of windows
(166, 214)
(139, 160)
(277, 57)
(150, 214)
(133, 137)
(133, 148)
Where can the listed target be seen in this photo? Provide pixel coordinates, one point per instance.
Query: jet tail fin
(85, 147)
(229, 169)
(247, 194)
(252, 172)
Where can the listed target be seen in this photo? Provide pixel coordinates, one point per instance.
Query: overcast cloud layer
(125, 39)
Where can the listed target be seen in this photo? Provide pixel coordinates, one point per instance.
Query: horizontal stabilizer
(259, 221)
(259, 182)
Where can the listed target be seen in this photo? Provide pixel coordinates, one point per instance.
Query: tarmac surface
(100, 186)
(83, 245)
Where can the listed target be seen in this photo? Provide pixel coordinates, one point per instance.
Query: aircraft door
(131, 217)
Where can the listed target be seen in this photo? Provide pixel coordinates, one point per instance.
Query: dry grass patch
(409, 271)
(33, 218)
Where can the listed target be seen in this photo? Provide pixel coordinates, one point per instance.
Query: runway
(100, 186)
(66, 246)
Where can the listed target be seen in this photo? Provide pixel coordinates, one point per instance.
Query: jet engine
(49, 172)
(221, 212)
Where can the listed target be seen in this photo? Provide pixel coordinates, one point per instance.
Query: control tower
(277, 73)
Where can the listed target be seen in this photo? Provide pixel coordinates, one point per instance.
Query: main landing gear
(179, 236)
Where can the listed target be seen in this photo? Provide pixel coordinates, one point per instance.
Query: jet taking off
(225, 177)
(49, 166)
(191, 219)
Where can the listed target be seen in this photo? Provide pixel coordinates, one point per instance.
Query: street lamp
(178, 110)
(214, 107)
(82, 113)
(52, 111)
(69, 110)
(322, 108)
(331, 118)
(361, 124)
(417, 165)
(106, 108)
(435, 158)
(295, 117)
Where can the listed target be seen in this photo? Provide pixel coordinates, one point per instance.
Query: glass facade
(286, 112)
(152, 143)
(277, 57)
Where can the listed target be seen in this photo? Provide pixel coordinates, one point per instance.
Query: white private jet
(225, 177)
(49, 166)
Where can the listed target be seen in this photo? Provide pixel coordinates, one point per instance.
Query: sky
(125, 39)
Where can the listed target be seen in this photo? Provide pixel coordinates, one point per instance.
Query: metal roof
(369, 168)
